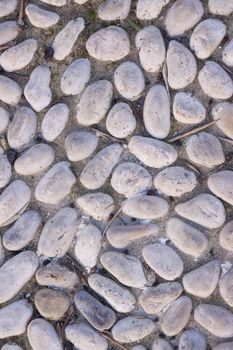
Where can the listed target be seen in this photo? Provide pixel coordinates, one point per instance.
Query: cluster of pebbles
(115, 232)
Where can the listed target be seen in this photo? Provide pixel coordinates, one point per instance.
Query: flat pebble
(7, 7)
(98, 205)
(23, 231)
(4, 119)
(221, 7)
(163, 260)
(156, 112)
(131, 179)
(221, 324)
(42, 335)
(204, 209)
(147, 9)
(192, 340)
(98, 169)
(37, 90)
(215, 81)
(79, 145)
(151, 152)
(120, 121)
(76, 76)
(175, 318)
(226, 236)
(99, 316)
(9, 30)
(224, 346)
(40, 17)
(11, 346)
(56, 184)
(220, 184)
(188, 109)
(54, 121)
(57, 3)
(111, 10)
(16, 272)
(14, 318)
(58, 233)
(227, 53)
(108, 44)
(10, 91)
(161, 344)
(5, 170)
(94, 103)
(127, 269)
(226, 287)
(222, 114)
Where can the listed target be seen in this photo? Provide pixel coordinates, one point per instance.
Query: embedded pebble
(98, 205)
(138, 347)
(5, 170)
(76, 76)
(163, 260)
(34, 160)
(188, 109)
(147, 9)
(151, 48)
(42, 335)
(56, 184)
(112, 10)
(192, 340)
(221, 7)
(16, 272)
(204, 209)
(7, 7)
(40, 17)
(54, 121)
(226, 287)
(156, 112)
(14, 318)
(94, 103)
(98, 169)
(155, 299)
(118, 297)
(9, 31)
(224, 346)
(151, 152)
(186, 238)
(120, 121)
(215, 81)
(181, 65)
(99, 316)
(37, 90)
(79, 145)
(2, 253)
(109, 44)
(216, 319)
(127, 269)
(222, 114)
(23, 231)
(131, 179)
(175, 318)
(226, 236)
(10, 91)
(84, 337)
(227, 54)
(220, 184)
(11, 346)
(204, 149)
(58, 233)
(4, 119)
(161, 344)
(55, 3)
(129, 80)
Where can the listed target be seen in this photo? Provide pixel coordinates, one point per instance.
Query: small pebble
(161, 344)
(54, 121)
(221, 7)
(222, 114)
(4, 119)
(188, 109)
(9, 30)
(40, 17)
(120, 121)
(227, 54)
(192, 340)
(147, 9)
(5, 170)
(7, 7)
(220, 184)
(57, 3)
(98, 205)
(10, 91)
(224, 346)
(76, 76)
(112, 10)
(226, 287)
(80, 145)
(226, 237)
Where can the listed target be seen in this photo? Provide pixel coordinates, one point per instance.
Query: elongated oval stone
(226, 287)
(188, 109)
(5, 170)
(147, 9)
(10, 91)
(54, 121)
(222, 114)
(98, 205)
(192, 340)
(80, 145)
(226, 236)
(227, 53)
(120, 121)
(9, 31)
(220, 184)
(221, 7)
(111, 10)
(40, 17)
(7, 7)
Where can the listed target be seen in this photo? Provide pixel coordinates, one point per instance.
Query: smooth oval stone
(120, 236)
(206, 37)
(111, 10)
(16, 272)
(129, 80)
(182, 16)
(76, 76)
(58, 233)
(161, 344)
(10, 91)
(7, 7)
(87, 246)
(186, 238)
(99, 316)
(155, 299)
(109, 44)
(227, 53)
(4, 119)
(147, 9)
(98, 205)
(9, 31)
(151, 152)
(224, 346)
(181, 65)
(204, 209)
(204, 149)
(215, 81)
(163, 260)
(40, 17)
(145, 207)
(118, 297)
(54, 121)
(94, 103)
(52, 304)
(85, 337)
(37, 90)
(5, 170)
(79, 145)
(34, 160)
(222, 114)
(175, 181)
(188, 109)
(131, 179)
(23, 231)
(221, 7)
(98, 169)
(226, 287)
(120, 121)
(58, 3)
(220, 184)
(151, 48)
(192, 340)
(202, 281)
(226, 236)
(156, 112)
(175, 318)
(55, 275)
(56, 184)
(14, 318)
(13, 200)
(126, 269)
(41, 335)
(221, 324)
(11, 346)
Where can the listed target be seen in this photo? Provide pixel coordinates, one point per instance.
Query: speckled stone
(161, 344)
(76, 76)
(80, 145)
(120, 121)
(98, 205)
(10, 91)
(192, 340)
(9, 30)
(221, 7)
(54, 121)
(226, 236)
(188, 109)
(40, 17)
(147, 9)
(112, 10)
(4, 119)
(226, 287)
(222, 114)
(5, 171)
(220, 184)
(228, 52)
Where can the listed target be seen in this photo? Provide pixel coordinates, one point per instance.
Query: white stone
(80, 2)
(7, 7)
(4, 119)
(112, 10)
(132, 328)
(147, 9)
(40, 17)
(98, 205)
(226, 287)
(227, 54)
(138, 347)
(192, 340)
(10, 91)
(54, 121)
(5, 170)
(11, 346)
(37, 90)
(9, 30)
(161, 344)
(220, 184)
(221, 7)
(80, 145)
(55, 3)
(108, 44)
(224, 111)
(188, 109)
(226, 236)
(120, 121)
